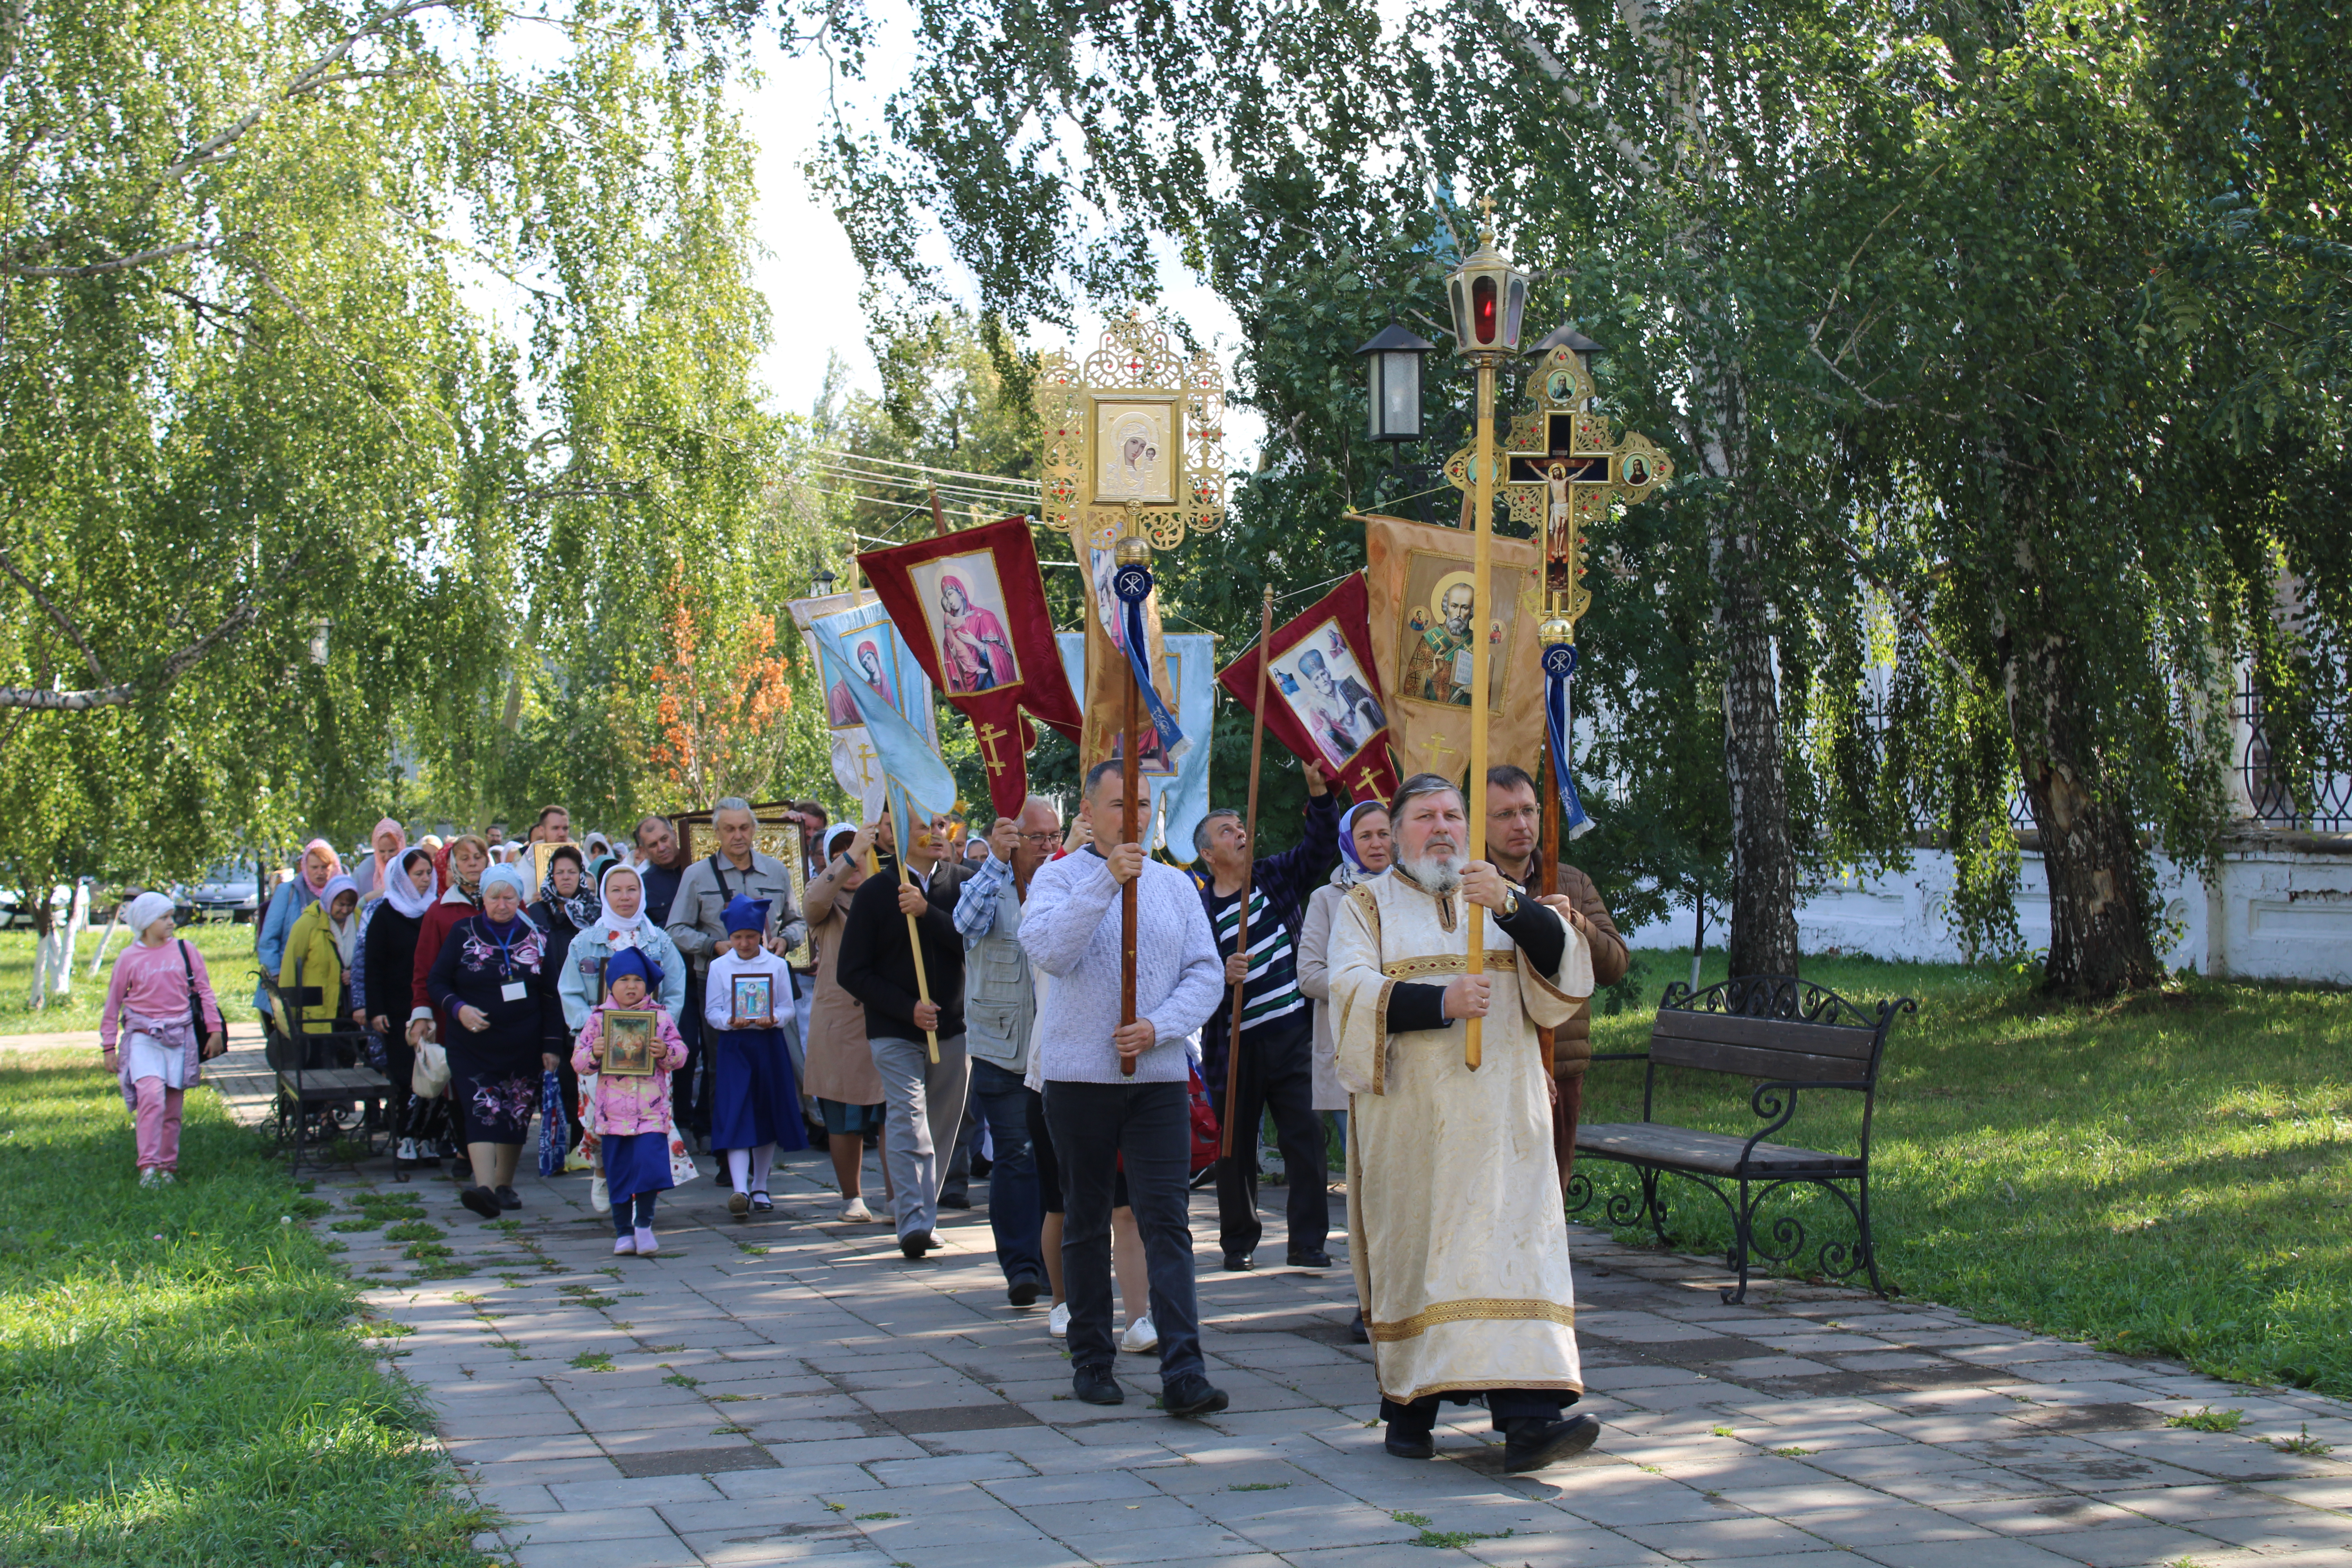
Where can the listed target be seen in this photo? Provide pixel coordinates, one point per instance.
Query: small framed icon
(631, 1044)
(755, 998)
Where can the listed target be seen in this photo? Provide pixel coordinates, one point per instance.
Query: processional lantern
(1393, 357)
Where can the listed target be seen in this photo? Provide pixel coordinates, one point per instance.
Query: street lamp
(1567, 337)
(820, 585)
(1395, 357)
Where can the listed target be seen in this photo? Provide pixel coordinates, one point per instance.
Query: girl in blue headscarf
(755, 1104)
(629, 1125)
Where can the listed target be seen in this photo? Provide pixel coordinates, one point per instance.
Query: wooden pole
(1482, 571)
(1129, 826)
(1249, 876)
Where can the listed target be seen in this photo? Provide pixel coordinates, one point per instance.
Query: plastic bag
(430, 1079)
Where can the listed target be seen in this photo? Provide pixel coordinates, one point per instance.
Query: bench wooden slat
(1765, 1033)
(1713, 1153)
(1748, 1061)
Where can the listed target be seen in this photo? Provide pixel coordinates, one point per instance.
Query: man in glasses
(999, 1007)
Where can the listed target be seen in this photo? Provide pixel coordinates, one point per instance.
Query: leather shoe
(916, 1243)
(1319, 1259)
(1095, 1386)
(1408, 1443)
(481, 1200)
(955, 1201)
(509, 1198)
(1237, 1261)
(1193, 1394)
(1357, 1330)
(1533, 1443)
(1023, 1293)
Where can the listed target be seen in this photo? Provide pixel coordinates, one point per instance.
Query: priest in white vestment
(1461, 1257)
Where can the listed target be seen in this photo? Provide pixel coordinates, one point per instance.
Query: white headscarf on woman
(402, 893)
(346, 930)
(620, 931)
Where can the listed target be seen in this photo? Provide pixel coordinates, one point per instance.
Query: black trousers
(1096, 1126)
(691, 1086)
(1502, 1404)
(1277, 1075)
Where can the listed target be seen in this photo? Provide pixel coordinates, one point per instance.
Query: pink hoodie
(630, 1105)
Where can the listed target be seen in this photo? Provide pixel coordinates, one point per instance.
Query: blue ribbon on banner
(1133, 586)
(1559, 669)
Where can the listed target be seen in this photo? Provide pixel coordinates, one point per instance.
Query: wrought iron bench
(313, 1084)
(1793, 1037)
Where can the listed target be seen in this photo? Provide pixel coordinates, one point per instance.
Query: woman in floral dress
(493, 978)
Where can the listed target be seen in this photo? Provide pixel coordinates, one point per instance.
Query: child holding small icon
(755, 1102)
(629, 1124)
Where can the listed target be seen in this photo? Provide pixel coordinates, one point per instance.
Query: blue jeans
(1014, 1209)
(1150, 1125)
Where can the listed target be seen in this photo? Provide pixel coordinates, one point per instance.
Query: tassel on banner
(1133, 586)
(1559, 669)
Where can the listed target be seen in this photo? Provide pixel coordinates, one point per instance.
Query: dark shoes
(1319, 1259)
(955, 1200)
(916, 1243)
(1235, 1262)
(1530, 1443)
(509, 1198)
(1357, 1330)
(481, 1200)
(1024, 1293)
(1411, 1442)
(1096, 1385)
(762, 1204)
(1193, 1394)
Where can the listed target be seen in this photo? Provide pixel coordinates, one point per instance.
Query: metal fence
(2318, 801)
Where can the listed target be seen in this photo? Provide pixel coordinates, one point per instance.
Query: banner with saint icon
(1176, 801)
(971, 606)
(1424, 609)
(858, 647)
(1327, 705)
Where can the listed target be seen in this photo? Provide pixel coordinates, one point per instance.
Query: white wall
(2273, 913)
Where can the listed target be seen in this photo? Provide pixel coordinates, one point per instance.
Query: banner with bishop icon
(860, 654)
(1328, 705)
(972, 607)
(1423, 611)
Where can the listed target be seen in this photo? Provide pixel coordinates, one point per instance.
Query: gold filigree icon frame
(1136, 427)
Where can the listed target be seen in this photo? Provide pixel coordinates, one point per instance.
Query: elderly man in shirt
(696, 925)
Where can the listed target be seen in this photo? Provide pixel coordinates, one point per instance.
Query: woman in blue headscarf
(755, 1104)
(492, 979)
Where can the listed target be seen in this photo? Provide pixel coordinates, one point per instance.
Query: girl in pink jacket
(630, 1127)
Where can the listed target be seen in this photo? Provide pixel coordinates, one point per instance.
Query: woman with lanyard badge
(490, 978)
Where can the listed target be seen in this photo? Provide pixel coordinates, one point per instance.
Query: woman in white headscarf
(318, 954)
(162, 996)
(381, 979)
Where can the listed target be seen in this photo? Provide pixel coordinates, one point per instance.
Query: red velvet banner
(1326, 701)
(971, 605)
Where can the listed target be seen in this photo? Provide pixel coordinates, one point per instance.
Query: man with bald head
(999, 1006)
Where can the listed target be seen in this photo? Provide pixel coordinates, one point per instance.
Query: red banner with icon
(971, 606)
(1323, 691)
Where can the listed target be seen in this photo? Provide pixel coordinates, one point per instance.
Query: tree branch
(1551, 66)
(66, 628)
(111, 264)
(105, 696)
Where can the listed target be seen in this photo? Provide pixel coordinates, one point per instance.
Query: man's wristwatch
(1510, 904)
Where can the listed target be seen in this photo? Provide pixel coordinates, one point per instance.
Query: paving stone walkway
(792, 1388)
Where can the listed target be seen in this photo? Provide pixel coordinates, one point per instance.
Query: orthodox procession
(956, 786)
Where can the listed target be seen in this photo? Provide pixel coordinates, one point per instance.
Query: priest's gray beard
(1439, 868)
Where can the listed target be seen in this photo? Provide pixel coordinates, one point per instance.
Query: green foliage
(179, 1367)
(2208, 1419)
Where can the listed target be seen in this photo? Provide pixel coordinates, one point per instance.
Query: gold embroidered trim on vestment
(1449, 963)
(1446, 918)
(1487, 1307)
(1381, 1041)
(1483, 1386)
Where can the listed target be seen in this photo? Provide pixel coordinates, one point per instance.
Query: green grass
(2172, 1175)
(184, 1379)
(227, 952)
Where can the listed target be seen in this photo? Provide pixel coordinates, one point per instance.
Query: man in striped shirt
(1278, 1027)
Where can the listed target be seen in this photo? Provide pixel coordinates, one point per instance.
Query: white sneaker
(165, 1178)
(151, 1177)
(1057, 1322)
(1140, 1336)
(624, 1246)
(408, 1150)
(646, 1243)
(855, 1212)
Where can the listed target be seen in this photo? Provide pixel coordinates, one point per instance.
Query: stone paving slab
(788, 1389)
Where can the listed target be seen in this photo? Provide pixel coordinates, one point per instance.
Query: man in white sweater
(1103, 1120)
